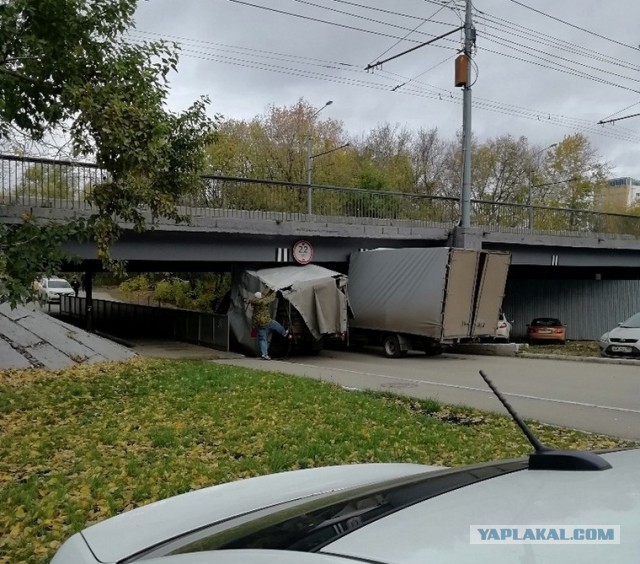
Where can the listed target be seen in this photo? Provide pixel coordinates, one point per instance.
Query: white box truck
(424, 298)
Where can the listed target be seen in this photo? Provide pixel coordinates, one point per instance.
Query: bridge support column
(465, 238)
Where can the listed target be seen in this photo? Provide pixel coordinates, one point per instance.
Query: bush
(136, 284)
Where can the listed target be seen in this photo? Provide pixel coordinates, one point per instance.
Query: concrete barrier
(490, 349)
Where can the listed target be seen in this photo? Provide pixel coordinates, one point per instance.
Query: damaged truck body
(311, 302)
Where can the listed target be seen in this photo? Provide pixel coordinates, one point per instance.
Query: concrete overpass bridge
(257, 223)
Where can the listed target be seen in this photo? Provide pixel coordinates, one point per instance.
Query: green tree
(65, 64)
(48, 181)
(572, 176)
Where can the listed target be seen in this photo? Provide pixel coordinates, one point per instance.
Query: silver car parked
(624, 340)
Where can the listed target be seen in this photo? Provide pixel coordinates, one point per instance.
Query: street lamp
(331, 150)
(310, 165)
(529, 206)
(309, 156)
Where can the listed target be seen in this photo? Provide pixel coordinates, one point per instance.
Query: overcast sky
(246, 59)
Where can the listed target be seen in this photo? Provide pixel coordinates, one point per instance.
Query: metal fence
(66, 184)
(48, 182)
(133, 320)
(588, 308)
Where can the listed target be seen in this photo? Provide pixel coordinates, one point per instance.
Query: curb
(627, 361)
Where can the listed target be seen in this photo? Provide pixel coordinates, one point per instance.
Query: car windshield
(633, 321)
(59, 284)
(545, 322)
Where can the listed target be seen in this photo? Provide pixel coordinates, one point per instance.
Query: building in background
(621, 193)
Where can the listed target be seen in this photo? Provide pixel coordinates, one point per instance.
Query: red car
(546, 329)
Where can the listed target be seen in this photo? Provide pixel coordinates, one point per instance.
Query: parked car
(391, 513)
(51, 289)
(546, 329)
(623, 340)
(503, 332)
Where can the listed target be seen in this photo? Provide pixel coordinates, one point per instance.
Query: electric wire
(558, 68)
(550, 40)
(204, 42)
(495, 107)
(407, 35)
(563, 68)
(352, 28)
(419, 88)
(576, 26)
(342, 66)
(504, 42)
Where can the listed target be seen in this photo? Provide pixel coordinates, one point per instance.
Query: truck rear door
(461, 288)
(492, 278)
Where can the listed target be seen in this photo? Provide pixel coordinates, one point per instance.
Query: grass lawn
(81, 445)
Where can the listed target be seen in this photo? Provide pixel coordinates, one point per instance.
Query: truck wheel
(391, 344)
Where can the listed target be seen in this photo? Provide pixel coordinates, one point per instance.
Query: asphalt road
(602, 398)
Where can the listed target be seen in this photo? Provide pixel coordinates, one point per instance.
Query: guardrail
(132, 320)
(67, 184)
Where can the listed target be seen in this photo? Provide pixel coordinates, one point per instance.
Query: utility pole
(465, 195)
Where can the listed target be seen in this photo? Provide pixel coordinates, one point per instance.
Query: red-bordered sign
(302, 252)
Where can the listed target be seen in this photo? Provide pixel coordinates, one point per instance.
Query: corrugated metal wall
(587, 307)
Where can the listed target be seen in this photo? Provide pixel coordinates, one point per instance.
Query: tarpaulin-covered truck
(424, 298)
(311, 303)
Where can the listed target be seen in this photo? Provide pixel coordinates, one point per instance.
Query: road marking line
(471, 388)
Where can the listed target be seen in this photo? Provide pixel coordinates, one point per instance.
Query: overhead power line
(558, 67)
(309, 18)
(536, 37)
(496, 107)
(561, 67)
(576, 26)
(409, 33)
(361, 79)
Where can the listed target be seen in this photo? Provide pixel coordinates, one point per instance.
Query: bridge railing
(67, 184)
(264, 198)
(47, 182)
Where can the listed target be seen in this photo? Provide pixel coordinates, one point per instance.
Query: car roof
(438, 529)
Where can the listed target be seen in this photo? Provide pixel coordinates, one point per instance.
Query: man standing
(262, 321)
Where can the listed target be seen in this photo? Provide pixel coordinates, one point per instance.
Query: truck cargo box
(439, 294)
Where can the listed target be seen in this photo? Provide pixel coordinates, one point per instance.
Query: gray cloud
(301, 50)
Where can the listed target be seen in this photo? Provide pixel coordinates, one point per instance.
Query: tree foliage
(27, 251)
(66, 64)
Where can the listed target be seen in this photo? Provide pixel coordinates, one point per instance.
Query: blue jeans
(263, 332)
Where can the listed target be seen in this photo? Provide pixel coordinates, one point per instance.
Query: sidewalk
(177, 350)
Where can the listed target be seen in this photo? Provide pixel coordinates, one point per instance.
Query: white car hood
(144, 527)
(438, 529)
(625, 333)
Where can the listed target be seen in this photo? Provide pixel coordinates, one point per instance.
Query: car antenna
(547, 458)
